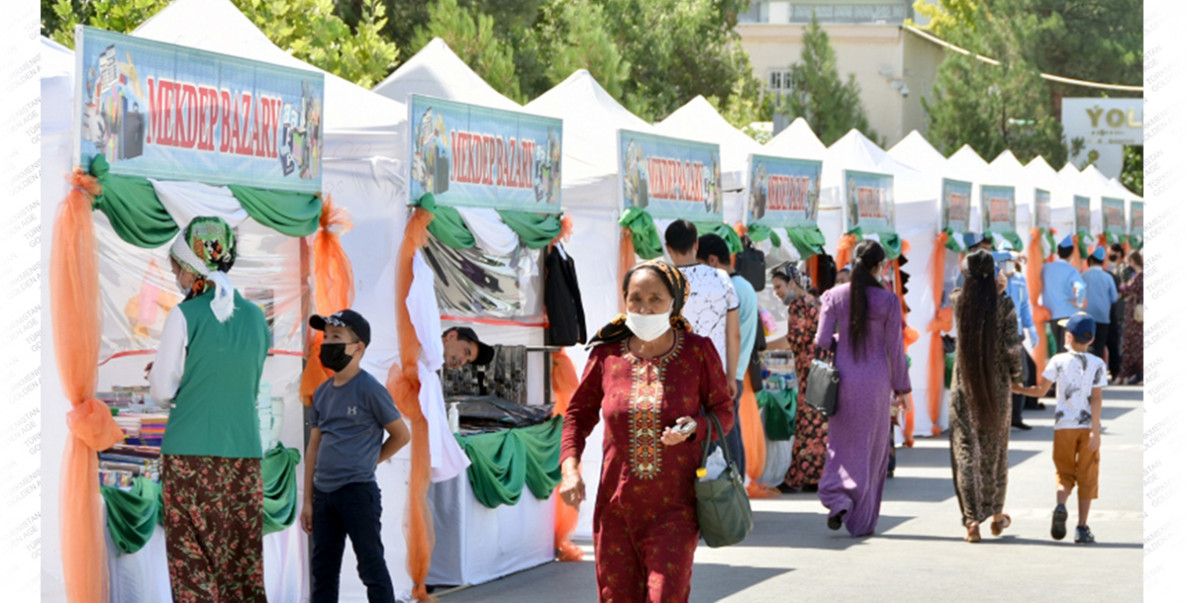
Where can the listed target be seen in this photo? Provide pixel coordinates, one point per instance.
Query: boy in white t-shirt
(1076, 438)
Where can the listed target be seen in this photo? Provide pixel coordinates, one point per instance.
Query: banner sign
(473, 156)
(998, 208)
(156, 110)
(870, 202)
(1081, 223)
(1113, 216)
(955, 198)
(1136, 218)
(1043, 209)
(784, 192)
(670, 177)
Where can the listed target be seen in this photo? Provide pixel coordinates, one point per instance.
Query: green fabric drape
(1135, 240)
(132, 207)
(1082, 248)
(138, 217)
(534, 230)
(950, 361)
(279, 470)
(1051, 239)
(1012, 237)
(291, 214)
(733, 241)
(759, 233)
(779, 413)
(503, 462)
(954, 244)
(447, 224)
(132, 516)
(644, 236)
(807, 241)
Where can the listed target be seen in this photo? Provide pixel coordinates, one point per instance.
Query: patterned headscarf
(206, 248)
(616, 330)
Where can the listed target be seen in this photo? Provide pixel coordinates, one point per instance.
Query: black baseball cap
(486, 353)
(345, 318)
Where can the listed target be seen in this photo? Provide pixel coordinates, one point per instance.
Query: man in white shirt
(712, 308)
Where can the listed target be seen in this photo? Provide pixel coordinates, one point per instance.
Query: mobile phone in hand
(686, 428)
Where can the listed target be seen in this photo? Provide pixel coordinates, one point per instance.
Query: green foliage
(573, 35)
(832, 108)
(471, 35)
(1132, 169)
(309, 29)
(1010, 106)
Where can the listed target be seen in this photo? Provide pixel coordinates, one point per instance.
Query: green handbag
(723, 509)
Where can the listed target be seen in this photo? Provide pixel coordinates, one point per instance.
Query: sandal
(996, 527)
(973, 533)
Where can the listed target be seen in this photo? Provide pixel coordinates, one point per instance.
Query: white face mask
(648, 327)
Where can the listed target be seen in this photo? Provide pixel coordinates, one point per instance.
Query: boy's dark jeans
(352, 510)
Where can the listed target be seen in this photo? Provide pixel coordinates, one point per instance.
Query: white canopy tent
(798, 141)
(362, 170)
(979, 172)
(698, 120)
(436, 71)
(1012, 172)
(916, 223)
(1046, 178)
(1100, 186)
(1079, 183)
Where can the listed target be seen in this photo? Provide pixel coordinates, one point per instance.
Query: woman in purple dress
(873, 371)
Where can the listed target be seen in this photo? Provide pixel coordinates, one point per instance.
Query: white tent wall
(1046, 178)
(1017, 176)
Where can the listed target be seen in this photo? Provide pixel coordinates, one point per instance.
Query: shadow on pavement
(808, 531)
(939, 457)
(1010, 540)
(714, 582)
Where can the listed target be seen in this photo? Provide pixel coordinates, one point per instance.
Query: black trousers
(1114, 345)
(1019, 401)
(1100, 338)
(1058, 331)
(352, 510)
(734, 442)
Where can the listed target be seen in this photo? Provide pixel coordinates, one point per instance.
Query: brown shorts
(1075, 465)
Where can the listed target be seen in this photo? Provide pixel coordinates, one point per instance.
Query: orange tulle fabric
(751, 428)
(1035, 286)
(942, 321)
(814, 270)
(404, 385)
(910, 336)
(75, 311)
(626, 261)
(566, 231)
(845, 250)
(565, 381)
(334, 288)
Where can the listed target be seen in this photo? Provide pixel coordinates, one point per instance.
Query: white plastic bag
(715, 464)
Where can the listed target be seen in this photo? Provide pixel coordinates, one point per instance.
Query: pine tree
(831, 108)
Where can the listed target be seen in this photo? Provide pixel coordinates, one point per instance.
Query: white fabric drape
(447, 459)
(185, 201)
(490, 233)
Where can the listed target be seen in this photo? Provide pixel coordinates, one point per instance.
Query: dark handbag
(751, 265)
(723, 509)
(820, 391)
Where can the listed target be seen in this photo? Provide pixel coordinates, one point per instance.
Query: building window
(779, 80)
(755, 13)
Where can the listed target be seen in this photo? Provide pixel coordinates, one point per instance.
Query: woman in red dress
(812, 427)
(647, 376)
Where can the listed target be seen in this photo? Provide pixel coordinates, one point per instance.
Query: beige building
(894, 67)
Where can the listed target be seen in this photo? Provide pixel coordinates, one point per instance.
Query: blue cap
(1081, 325)
(1099, 254)
(1066, 241)
(973, 238)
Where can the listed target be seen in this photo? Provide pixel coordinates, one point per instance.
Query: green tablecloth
(501, 463)
(779, 413)
(132, 515)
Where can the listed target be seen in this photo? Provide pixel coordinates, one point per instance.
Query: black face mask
(334, 356)
(1113, 258)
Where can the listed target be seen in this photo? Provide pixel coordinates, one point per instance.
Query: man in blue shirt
(1017, 291)
(713, 252)
(1064, 291)
(1101, 293)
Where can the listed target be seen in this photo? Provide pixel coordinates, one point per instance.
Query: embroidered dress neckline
(677, 342)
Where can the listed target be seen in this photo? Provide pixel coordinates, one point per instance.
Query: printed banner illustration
(1081, 215)
(784, 192)
(467, 155)
(998, 208)
(1113, 215)
(1043, 209)
(870, 203)
(1136, 219)
(955, 198)
(157, 110)
(671, 177)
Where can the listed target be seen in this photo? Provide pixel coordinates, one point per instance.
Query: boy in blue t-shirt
(1076, 437)
(350, 414)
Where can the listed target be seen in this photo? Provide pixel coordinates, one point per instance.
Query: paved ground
(917, 552)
